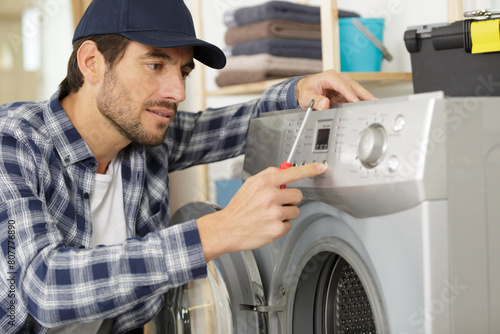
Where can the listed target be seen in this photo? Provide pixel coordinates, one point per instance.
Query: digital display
(322, 139)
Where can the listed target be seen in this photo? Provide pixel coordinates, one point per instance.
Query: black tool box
(460, 58)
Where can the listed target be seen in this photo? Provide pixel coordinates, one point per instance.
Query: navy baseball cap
(157, 23)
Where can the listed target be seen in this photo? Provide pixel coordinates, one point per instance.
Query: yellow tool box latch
(485, 36)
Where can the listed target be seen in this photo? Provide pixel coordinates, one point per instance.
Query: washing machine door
(219, 303)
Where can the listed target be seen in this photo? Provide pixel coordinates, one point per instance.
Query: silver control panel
(377, 152)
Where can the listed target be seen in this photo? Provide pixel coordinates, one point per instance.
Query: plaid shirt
(51, 274)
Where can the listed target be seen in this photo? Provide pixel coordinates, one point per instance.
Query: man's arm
(57, 282)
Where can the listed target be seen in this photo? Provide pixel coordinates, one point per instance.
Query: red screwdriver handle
(283, 166)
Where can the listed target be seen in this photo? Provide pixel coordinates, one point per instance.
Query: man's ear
(90, 62)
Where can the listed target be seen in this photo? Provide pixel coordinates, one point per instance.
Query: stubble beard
(114, 103)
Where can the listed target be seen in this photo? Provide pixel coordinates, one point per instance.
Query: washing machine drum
(212, 305)
(330, 287)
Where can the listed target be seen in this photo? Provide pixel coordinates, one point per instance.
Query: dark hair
(112, 48)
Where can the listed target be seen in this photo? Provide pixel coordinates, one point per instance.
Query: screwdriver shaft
(302, 126)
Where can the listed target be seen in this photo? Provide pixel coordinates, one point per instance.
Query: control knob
(372, 145)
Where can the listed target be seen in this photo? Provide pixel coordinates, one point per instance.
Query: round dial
(372, 145)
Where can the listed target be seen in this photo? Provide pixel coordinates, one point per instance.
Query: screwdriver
(287, 163)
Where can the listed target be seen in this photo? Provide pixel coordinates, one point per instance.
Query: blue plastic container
(226, 189)
(357, 52)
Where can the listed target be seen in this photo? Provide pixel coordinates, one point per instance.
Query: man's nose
(173, 86)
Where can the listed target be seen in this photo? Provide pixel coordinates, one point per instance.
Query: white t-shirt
(109, 227)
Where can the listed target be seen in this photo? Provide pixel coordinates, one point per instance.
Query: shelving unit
(330, 55)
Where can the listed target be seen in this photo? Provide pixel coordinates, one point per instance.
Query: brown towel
(273, 28)
(260, 67)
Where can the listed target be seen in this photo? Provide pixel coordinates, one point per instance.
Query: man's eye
(185, 74)
(155, 67)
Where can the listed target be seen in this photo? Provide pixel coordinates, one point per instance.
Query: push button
(399, 123)
(393, 164)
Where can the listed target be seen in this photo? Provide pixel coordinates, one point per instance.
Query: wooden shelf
(244, 89)
(379, 79)
(367, 79)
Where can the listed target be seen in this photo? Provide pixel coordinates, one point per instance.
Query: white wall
(56, 34)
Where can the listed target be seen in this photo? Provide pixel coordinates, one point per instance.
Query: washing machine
(400, 235)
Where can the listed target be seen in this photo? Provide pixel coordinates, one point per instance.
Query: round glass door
(221, 303)
(199, 307)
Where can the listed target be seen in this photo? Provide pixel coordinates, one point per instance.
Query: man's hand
(259, 212)
(329, 88)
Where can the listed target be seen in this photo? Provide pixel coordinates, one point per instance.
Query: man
(84, 216)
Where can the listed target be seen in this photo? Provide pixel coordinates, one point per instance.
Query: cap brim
(205, 52)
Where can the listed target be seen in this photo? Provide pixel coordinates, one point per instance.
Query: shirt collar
(67, 141)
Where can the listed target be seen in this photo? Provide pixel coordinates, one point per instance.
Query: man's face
(140, 95)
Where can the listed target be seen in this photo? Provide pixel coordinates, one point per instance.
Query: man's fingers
(330, 87)
(358, 89)
(348, 88)
(290, 213)
(290, 196)
(269, 170)
(293, 174)
(322, 102)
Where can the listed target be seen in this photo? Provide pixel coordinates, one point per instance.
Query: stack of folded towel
(276, 39)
